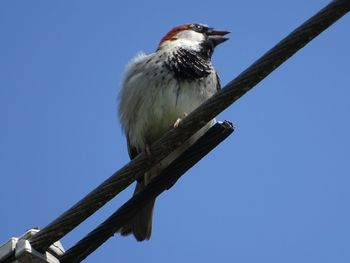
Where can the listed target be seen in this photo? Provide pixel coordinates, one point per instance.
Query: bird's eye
(198, 28)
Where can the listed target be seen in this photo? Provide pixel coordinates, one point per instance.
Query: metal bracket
(19, 250)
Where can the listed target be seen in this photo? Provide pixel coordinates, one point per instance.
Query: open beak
(217, 36)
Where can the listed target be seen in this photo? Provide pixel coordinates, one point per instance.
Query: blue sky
(276, 191)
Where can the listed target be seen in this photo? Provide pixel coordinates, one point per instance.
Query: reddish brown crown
(170, 36)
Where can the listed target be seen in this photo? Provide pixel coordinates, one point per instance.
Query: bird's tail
(141, 225)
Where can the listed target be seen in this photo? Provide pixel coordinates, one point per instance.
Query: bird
(157, 91)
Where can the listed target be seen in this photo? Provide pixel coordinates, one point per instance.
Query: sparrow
(160, 89)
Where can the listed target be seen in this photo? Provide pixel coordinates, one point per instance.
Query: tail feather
(141, 225)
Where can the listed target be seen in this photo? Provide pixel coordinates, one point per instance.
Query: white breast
(151, 99)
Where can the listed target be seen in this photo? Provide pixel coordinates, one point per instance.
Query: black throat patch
(188, 64)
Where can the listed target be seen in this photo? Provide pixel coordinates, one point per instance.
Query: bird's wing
(131, 149)
(131, 98)
(218, 85)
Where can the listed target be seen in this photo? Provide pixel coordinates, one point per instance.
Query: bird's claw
(177, 122)
(147, 150)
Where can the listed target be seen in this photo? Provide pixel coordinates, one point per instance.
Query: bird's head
(196, 37)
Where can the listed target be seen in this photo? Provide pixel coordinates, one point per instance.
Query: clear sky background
(276, 191)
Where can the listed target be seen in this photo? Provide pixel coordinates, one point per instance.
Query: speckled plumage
(153, 98)
(160, 88)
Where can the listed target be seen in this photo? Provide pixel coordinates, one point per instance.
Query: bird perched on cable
(158, 90)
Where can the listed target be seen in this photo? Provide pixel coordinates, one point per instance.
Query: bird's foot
(147, 153)
(147, 150)
(177, 122)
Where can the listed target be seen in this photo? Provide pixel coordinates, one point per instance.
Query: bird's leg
(177, 122)
(147, 150)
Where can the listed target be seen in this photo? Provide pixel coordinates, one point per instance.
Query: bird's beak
(217, 36)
